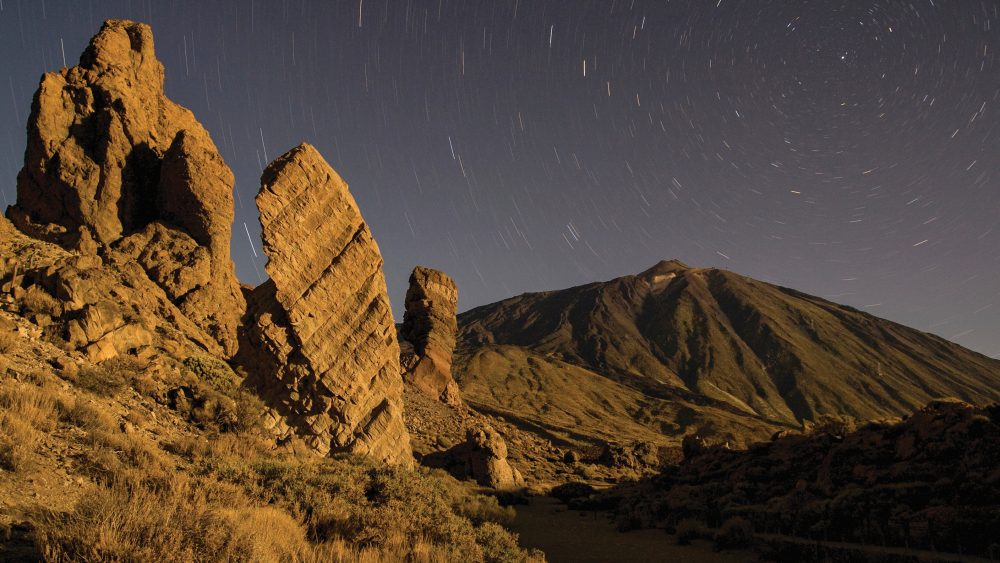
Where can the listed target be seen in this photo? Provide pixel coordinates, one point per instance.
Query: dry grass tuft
(82, 413)
(17, 440)
(34, 404)
(175, 520)
(26, 410)
(8, 339)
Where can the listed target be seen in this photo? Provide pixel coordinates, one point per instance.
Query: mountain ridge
(777, 354)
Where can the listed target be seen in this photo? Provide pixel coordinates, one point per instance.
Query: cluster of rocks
(123, 215)
(118, 247)
(930, 481)
(637, 456)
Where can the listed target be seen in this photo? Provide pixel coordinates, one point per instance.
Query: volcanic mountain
(677, 350)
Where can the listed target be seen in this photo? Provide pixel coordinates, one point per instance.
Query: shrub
(212, 371)
(571, 491)
(110, 377)
(176, 521)
(687, 530)
(497, 543)
(483, 508)
(735, 533)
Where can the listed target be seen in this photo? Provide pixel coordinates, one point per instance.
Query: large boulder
(111, 162)
(430, 327)
(321, 342)
(482, 457)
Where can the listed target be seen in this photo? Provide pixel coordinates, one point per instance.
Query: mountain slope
(712, 341)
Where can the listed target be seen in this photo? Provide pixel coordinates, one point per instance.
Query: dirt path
(586, 537)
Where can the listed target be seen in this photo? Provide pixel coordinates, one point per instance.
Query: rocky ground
(929, 482)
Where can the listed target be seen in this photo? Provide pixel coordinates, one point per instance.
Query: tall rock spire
(321, 333)
(111, 160)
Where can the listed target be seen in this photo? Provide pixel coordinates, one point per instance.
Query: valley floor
(574, 536)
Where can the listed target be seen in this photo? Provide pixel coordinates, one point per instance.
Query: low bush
(103, 380)
(735, 533)
(688, 530)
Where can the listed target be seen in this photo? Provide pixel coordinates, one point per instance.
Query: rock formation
(112, 163)
(929, 481)
(636, 456)
(430, 327)
(100, 308)
(321, 338)
(483, 457)
(488, 460)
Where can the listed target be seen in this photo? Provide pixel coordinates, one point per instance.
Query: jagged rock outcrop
(430, 327)
(482, 457)
(112, 163)
(321, 342)
(102, 309)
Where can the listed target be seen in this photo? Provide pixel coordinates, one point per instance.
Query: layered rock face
(430, 326)
(321, 338)
(112, 164)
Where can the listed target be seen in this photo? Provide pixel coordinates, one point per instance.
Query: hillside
(677, 350)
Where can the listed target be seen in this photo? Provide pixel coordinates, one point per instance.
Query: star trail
(846, 149)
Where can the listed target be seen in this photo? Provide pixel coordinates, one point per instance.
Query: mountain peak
(664, 267)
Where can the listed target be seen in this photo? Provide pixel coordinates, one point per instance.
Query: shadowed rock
(111, 162)
(430, 327)
(483, 457)
(321, 338)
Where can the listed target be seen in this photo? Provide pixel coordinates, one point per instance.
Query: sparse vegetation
(25, 411)
(110, 377)
(269, 508)
(735, 533)
(237, 499)
(8, 338)
(17, 438)
(687, 530)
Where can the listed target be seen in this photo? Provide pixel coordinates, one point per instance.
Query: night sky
(846, 149)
